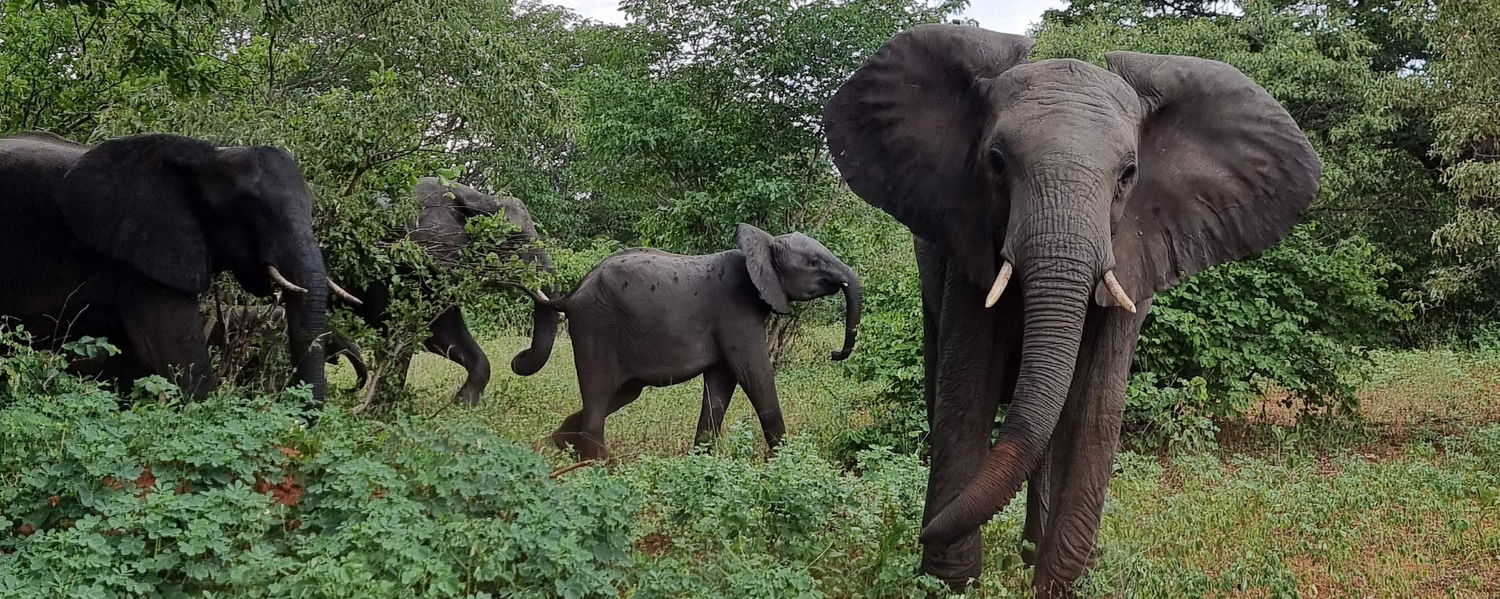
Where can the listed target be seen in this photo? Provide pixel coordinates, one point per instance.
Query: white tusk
(1000, 281)
(344, 295)
(543, 295)
(281, 281)
(1118, 292)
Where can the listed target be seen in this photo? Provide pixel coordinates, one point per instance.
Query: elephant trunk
(307, 319)
(854, 295)
(1055, 294)
(544, 320)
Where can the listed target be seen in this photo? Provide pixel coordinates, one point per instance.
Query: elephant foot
(955, 564)
(467, 397)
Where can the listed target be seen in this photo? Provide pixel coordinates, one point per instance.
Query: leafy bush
(1299, 319)
(234, 496)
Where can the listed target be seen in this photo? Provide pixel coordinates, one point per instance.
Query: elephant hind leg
(584, 429)
(718, 389)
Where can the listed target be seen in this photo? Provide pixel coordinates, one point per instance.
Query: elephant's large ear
(756, 244)
(906, 131)
(134, 199)
(1223, 171)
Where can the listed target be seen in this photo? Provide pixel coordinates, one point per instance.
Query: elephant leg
(1038, 496)
(165, 334)
(969, 372)
(718, 389)
(1083, 449)
(584, 429)
(755, 374)
(451, 339)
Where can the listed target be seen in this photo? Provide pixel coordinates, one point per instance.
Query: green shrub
(233, 496)
(1298, 319)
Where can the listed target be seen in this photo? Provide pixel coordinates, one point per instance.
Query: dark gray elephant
(1092, 187)
(644, 317)
(120, 240)
(439, 230)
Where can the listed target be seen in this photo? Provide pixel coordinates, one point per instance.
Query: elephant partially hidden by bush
(119, 241)
(644, 317)
(1091, 186)
(233, 331)
(439, 229)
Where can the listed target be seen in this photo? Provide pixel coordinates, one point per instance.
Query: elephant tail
(560, 303)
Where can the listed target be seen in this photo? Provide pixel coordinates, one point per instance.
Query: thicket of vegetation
(667, 131)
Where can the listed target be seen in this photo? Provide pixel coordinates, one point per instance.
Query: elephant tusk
(343, 295)
(1000, 281)
(1118, 292)
(543, 295)
(281, 281)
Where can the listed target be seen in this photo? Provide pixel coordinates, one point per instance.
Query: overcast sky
(1008, 16)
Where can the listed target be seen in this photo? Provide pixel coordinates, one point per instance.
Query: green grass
(1402, 503)
(815, 398)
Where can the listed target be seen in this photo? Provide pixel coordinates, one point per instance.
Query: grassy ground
(1403, 504)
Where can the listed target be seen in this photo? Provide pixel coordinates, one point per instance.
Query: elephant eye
(1127, 175)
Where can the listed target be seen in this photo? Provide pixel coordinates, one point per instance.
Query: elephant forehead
(1064, 86)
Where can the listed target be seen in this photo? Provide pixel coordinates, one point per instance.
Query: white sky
(1008, 16)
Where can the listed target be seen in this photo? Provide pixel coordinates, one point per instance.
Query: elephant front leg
(968, 350)
(1083, 450)
(451, 339)
(166, 337)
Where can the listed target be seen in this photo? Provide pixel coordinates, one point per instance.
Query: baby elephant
(647, 317)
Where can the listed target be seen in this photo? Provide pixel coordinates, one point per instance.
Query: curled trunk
(853, 302)
(1056, 296)
(544, 320)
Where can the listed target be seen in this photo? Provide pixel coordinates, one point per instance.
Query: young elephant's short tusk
(543, 295)
(281, 281)
(1118, 292)
(343, 295)
(1000, 282)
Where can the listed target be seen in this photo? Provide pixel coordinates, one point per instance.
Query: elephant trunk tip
(998, 483)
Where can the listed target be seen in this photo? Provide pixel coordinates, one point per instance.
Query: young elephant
(647, 317)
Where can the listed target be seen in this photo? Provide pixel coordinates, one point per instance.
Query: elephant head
(1088, 184)
(439, 229)
(179, 210)
(795, 267)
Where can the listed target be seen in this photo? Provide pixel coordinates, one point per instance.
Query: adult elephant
(438, 228)
(120, 240)
(1091, 186)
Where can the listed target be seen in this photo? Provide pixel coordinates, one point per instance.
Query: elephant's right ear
(756, 244)
(906, 132)
(133, 199)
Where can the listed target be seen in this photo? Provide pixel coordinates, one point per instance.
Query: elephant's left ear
(136, 200)
(760, 261)
(1223, 171)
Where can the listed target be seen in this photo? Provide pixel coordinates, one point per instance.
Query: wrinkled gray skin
(120, 240)
(1156, 168)
(644, 317)
(234, 323)
(439, 229)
